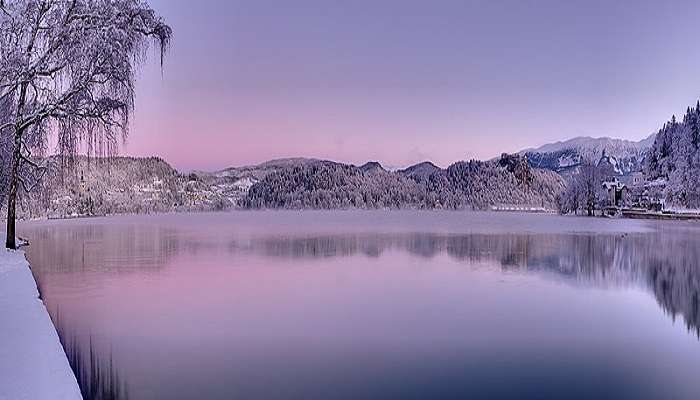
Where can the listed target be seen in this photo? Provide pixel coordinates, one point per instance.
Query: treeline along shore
(103, 186)
(581, 175)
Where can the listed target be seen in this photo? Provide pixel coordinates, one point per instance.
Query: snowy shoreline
(33, 364)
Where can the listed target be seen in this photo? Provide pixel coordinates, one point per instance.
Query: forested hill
(144, 185)
(474, 184)
(674, 159)
(116, 185)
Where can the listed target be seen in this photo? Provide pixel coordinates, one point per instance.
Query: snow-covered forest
(143, 185)
(472, 184)
(674, 159)
(116, 185)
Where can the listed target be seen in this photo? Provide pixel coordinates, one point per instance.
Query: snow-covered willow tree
(67, 71)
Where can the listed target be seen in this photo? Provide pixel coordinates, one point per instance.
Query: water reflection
(665, 264)
(661, 261)
(221, 311)
(97, 378)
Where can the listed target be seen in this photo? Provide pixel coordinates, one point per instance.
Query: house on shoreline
(617, 193)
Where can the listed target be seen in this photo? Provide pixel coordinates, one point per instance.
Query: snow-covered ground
(682, 210)
(32, 362)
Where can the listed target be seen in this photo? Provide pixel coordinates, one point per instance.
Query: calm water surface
(325, 305)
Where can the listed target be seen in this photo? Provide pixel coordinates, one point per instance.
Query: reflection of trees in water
(100, 247)
(664, 262)
(97, 377)
(471, 247)
(677, 287)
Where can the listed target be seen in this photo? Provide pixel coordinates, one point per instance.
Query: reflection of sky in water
(380, 304)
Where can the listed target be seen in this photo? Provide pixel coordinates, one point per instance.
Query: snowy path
(32, 362)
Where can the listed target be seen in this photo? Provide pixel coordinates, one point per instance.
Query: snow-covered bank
(33, 364)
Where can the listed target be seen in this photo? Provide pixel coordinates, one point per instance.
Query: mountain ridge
(150, 184)
(591, 142)
(564, 157)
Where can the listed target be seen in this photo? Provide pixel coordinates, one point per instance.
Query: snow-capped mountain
(625, 156)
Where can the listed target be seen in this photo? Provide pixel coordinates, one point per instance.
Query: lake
(377, 304)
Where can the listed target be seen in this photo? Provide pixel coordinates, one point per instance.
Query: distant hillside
(233, 183)
(145, 185)
(421, 171)
(625, 156)
(474, 184)
(371, 166)
(116, 185)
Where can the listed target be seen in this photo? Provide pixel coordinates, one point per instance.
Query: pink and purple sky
(402, 81)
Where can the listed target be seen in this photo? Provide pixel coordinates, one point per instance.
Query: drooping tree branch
(67, 70)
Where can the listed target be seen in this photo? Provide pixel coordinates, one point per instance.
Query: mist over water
(356, 304)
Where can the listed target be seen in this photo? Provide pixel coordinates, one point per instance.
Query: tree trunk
(11, 201)
(10, 242)
(14, 177)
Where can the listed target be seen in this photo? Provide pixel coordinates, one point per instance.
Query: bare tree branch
(67, 69)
